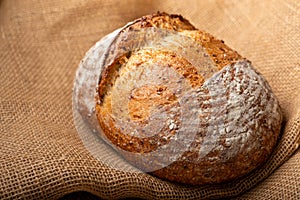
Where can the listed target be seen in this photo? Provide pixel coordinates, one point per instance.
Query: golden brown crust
(140, 104)
(143, 98)
(162, 20)
(220, 53)
(179, 64)
(134, 85)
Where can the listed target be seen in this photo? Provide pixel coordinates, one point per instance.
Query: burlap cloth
(41, 44)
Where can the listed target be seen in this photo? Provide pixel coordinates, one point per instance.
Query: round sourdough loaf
(178, 103)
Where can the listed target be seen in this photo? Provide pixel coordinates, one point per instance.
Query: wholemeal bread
(178, 103)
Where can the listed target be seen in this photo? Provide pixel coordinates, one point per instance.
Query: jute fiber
(41, 45)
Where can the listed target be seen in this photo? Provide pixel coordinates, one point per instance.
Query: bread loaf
(178, 103)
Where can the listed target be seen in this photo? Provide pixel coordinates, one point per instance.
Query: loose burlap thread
(41, 44)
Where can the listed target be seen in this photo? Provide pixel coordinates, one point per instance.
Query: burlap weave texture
(41, 44)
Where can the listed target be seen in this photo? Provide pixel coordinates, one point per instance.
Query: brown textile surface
(41, 44)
